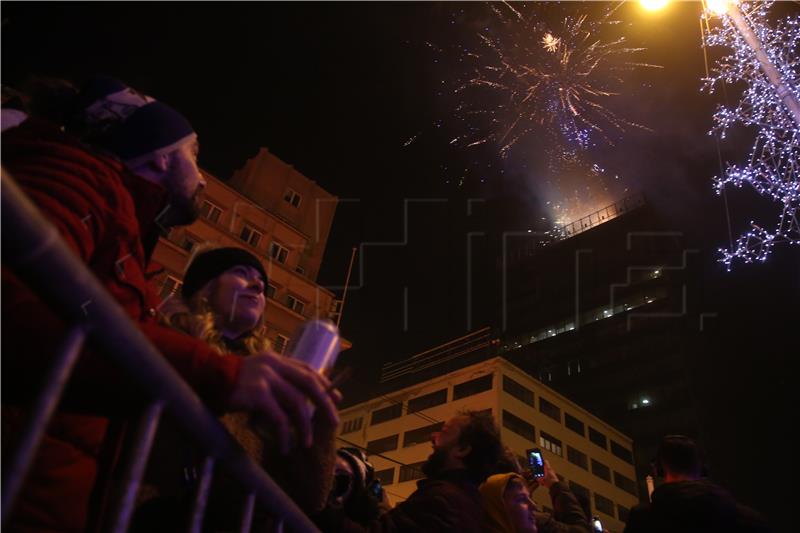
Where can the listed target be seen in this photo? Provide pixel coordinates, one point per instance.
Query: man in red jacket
(110, 203)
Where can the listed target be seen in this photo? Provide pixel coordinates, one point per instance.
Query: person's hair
(196, 318)
(508, 463)
(678, 454)
(513, 483)
(480, 433)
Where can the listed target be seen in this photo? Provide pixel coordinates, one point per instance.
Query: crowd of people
(114, 169)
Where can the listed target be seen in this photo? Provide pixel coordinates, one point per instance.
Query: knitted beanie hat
(129, 124)
(208, 265)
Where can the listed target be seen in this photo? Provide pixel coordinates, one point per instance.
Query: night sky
(338, 89)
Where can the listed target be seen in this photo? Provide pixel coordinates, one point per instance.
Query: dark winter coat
(568, 515)
(447, 502)
(693, 507)
(106, 216)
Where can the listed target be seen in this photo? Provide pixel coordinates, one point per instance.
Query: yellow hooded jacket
(495, 516)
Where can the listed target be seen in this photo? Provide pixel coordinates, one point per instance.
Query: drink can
(316, 343)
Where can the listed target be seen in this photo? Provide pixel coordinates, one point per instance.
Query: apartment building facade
(279, 215)
(594, 458)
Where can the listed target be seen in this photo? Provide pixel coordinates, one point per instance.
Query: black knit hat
(127, 123)
(208, 265)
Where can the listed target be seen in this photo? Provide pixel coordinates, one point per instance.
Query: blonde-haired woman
(222, 302)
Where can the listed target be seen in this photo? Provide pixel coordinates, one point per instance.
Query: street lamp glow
(718, 7)
(653, 5)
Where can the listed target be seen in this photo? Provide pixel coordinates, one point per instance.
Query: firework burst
(528, 75)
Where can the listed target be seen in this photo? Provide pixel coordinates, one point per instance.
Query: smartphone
(536, 462)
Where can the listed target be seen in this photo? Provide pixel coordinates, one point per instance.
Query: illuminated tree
(763, 58)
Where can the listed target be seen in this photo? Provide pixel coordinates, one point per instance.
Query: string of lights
(764, 59)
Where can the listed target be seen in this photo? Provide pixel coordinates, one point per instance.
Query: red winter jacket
(104, 213)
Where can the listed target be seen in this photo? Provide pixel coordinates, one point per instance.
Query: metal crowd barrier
(33, 248)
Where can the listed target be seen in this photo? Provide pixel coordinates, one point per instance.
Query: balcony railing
(600, 216)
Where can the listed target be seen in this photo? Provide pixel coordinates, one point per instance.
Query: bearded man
(465, 452)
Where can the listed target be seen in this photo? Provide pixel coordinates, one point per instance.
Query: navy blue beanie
(130, 124)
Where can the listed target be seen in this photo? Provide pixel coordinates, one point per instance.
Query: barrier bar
(37, 253)
(201, 496)
(125, 498)
(16, 470)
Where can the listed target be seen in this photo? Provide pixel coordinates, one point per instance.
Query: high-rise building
(607, 314)
(594, 458)
(282, 217)
(609, 317)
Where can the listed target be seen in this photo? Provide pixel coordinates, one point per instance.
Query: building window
(625, 483)
(271, 290)
(278, 252)
(411, 472)
(640, 401)
(294, 304)
(621, 451)
(600, 470)
(352, 425)
(550, 409)
(300, 270)
(473, 386)
(188, 243)
(550, 443)
(281, 341)
(382, 445)
(574, 424)
(604, 505)
(387, 413)
(573, 367)
(210, 212)
(519, 426)
(420, 435)
(291, 197)
(622, 513)
(518, 391)
(577, 457)
(250, 235)
(429, 400)
(598, 438)
(386, 477)
(170, 286)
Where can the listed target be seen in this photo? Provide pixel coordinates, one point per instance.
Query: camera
(536, 462)
(375, 489)
(342, 483)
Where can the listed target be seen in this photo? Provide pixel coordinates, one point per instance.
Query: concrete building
(593, 457)
(278, 214)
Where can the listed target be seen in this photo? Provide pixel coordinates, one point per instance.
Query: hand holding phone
(536, 462)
